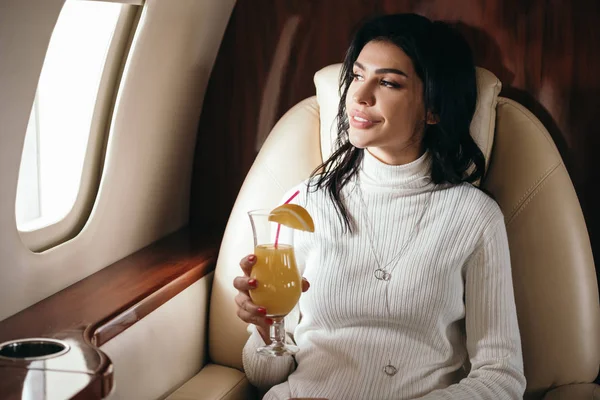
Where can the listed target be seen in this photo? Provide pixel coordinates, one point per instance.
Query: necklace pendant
(382, 275)
(379, 274)
(390, 370)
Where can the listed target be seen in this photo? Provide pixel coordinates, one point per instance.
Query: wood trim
(99, 307)
(182, 276)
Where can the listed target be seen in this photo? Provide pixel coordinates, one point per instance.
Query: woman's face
(384, 104)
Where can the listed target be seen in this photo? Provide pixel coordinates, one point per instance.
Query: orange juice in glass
(279, 284)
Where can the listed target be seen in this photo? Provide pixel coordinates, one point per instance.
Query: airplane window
(61, 117)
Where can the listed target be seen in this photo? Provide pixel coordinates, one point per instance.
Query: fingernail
(269, 321)
(252, 282)
(262, 310)
(252, 258)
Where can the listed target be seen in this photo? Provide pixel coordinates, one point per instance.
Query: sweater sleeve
(264, 372)
(493, 340)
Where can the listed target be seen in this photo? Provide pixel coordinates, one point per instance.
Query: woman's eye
(356, 77)
(390, 84)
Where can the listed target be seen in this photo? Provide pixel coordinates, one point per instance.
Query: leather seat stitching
(272, 175)
(531, 196)
(535, 184)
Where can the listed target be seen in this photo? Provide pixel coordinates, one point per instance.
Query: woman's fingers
(244, 283)
(247, 263)
(305, 285)
(245, 303)
(250, 312)
(247, 310)
(249, 318)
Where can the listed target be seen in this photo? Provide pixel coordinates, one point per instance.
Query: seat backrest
(553, 270)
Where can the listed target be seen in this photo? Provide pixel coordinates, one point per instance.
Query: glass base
(277, 350)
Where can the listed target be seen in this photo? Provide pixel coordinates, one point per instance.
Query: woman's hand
(247, 310)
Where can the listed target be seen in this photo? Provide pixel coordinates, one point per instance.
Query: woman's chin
(357, 141)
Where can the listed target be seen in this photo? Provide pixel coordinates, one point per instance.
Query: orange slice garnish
(293, 216)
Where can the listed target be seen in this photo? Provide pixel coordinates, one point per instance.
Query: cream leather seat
(553, 269)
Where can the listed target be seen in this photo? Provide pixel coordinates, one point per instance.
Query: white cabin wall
(144, 190)
(163, 350)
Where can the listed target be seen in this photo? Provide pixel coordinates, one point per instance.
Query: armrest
(98, 308)
(578, 391)
(216, 382)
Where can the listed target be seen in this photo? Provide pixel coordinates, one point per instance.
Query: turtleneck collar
(414, 175)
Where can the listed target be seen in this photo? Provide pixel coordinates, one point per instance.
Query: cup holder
(32, 349)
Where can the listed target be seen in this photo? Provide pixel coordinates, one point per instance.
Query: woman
(409, 265)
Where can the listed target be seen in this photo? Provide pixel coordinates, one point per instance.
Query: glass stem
(277, 332)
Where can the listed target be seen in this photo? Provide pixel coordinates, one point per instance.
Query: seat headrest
(482, 127)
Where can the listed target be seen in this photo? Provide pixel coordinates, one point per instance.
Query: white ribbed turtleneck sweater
(450, 296)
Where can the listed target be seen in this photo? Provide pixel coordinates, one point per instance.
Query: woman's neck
(398, 157)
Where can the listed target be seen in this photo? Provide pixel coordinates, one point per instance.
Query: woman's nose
(363, 95)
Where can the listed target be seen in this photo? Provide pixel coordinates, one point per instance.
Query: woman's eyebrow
(383, 70)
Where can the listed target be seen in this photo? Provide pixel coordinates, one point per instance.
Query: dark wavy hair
(443, 61)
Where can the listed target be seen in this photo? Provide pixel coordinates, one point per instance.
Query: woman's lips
(360, 120)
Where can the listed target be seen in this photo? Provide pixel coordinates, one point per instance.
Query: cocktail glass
(279, 284)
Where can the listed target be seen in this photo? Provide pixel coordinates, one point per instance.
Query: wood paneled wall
(545, 52)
